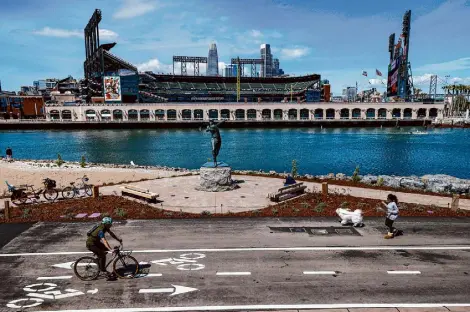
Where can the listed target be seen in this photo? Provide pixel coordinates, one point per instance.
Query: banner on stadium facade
(112, 88)
(392, 81)
(194, 98)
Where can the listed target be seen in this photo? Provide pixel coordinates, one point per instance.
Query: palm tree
(416, 92)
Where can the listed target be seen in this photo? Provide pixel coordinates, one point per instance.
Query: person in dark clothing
(9, 153)
(289, 181)
(98, 244)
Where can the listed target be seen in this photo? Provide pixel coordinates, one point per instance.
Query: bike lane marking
(232, 273)
(403, 272)
(320, 272)
(41, 278)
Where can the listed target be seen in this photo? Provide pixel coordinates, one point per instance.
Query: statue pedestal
(216, 179)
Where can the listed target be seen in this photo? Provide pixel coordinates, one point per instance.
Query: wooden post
(7, 210)
(455, 202)
(324, 188)
(96, 191)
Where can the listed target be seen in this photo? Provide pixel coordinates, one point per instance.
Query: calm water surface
(376, 151)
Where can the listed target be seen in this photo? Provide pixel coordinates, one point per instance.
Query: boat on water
(418, 132)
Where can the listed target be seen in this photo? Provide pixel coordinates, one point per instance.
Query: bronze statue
(213, 128)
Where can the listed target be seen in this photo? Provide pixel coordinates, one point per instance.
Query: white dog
(347, 217)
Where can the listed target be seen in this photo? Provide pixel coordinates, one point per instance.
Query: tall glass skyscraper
(267, 57)
(212, 61)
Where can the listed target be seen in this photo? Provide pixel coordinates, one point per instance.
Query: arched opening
(304, 114)
(105, 114)
(356, 113)
(422, 113)
(132, 114)
(407, 113)
(319, 113)
(330, 113)
(186, 114)
(240, 114)
(213, 114)
(396, 113)
(266, 114)
(278, 114)
(225, 113)
(89, 114)
(370, 113)
(198, 114)
(292, 114)
(251, 114)
(159, 114)
(433, 113)
(117, 114)
(144, 114)
(344, 114)
(66, 115)
(382, 113)
(171, 114)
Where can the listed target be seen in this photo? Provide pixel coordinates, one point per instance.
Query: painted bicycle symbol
(186, 262)
(37, 293)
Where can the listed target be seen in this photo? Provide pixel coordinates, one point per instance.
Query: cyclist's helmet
(107, 220)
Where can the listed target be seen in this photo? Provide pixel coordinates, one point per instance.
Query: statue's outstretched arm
(221, 122)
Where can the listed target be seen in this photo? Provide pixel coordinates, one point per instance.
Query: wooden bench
(139, 193)
(287, 192)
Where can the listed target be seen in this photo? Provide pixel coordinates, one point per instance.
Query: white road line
(369, 248)
(53, 277)
(158, 290)
(403, 272)
(153, 275)
(272, 307)
(232, 273)
(320, 272)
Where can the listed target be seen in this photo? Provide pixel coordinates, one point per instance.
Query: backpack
(92, 230)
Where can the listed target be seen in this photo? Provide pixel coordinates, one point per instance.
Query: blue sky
(336, 38)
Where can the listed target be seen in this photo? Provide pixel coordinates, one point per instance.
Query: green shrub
(295, 211)
(320, 207)
(305, 205)
(361, 205)
(380, 181)
(274, 211)
(344, 204)
(168, 213)
(83, 162)
(294, 169)
(256, 212)
(206, 213)
(419, 208)
(26, 213)
(355, 176)
(120, 212)
(105, 214)
(59, 162)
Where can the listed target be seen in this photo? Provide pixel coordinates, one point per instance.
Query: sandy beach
(32, 172)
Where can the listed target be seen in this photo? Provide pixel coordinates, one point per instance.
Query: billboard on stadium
(112, 88)
(392, 81)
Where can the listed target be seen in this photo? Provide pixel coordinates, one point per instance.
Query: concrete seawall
(73, 125)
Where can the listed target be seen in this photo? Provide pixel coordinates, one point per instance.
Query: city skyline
(350, 40)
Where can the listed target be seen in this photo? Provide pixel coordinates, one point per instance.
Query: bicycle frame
(117, 254)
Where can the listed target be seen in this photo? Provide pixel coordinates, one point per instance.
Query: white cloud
(459, 64)
(294, 52)
(60, 33)
(134, 8)
(156, 66)
(221, 68)
(255, 33)
(107, 34)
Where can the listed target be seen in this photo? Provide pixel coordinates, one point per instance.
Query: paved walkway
(432, 309)
(179, 193)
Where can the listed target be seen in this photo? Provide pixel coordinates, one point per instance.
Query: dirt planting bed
(309, 205)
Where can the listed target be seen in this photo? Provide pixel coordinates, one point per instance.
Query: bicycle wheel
(19, 198)
(86, 268)
(126, 266)
(68, 192)
(88, 189)
(50, 194)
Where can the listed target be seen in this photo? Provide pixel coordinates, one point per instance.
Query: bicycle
(20, 196)
(129, 269)
(70, 191)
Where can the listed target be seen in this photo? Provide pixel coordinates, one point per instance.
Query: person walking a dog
(392, 215)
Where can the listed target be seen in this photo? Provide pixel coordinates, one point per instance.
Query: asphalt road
(243, 262)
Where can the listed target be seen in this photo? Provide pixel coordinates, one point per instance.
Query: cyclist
(98, 244)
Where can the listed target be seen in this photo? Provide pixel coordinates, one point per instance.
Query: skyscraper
(267, 57)
(213, 61)
(276, 67)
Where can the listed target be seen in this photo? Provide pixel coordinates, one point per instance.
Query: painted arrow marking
(68, 265)
(175, 290)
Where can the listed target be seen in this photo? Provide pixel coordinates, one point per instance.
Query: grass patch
(26, 213)
(320, 207)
